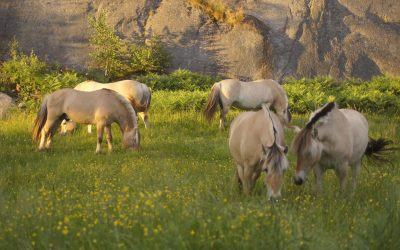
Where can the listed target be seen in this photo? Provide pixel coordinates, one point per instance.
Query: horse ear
(295, 129)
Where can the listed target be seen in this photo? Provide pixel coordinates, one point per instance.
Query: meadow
(179, 192)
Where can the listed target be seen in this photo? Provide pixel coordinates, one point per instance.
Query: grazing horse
(256, 142)
(138, 94)
(101, 107)
(246, 95)
(333, 138)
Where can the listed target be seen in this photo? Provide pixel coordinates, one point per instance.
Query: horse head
(285, 115)
(307, 145)
(274, 161)
(131, 139)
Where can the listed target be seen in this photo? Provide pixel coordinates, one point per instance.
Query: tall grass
(179, 192)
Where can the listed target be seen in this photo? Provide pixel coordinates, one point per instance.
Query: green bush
(150, 57)
(381, 93)
(33, 78)
(107, 49)
(180, 100)
(118, 59)
(179, 80)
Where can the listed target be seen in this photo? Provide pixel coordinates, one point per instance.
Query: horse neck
(126, 122)
(280, 102)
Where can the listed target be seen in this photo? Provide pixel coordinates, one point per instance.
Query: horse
(246, 95)
(256, 143)
(138, 94)
(334, 138)
(101, 107)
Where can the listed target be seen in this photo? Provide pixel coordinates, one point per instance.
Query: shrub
(33, 78)
(179, 80)
(381, 93)
(107, 49)
(217, 10)
(151, 57)
(180, 100)
(118, 59)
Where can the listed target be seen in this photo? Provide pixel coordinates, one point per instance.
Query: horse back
(358, 125)
(247, 134)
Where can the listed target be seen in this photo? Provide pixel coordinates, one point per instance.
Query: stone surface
(279, 38)
(6, 102)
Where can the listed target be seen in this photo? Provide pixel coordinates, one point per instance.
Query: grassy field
(179, 192)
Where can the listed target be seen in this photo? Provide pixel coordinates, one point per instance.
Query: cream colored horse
(138, 94)
(102, 108)
(333, 138)
(256, 142)
(247, 95)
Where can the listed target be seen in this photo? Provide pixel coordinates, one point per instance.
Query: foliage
(179, 100)
(32, 77)
(180, 79)
(120, 59)
(107, 49)
(179, 192)
(381, 93)
(217, 10)
(150, 57)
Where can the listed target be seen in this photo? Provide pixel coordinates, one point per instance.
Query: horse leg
(52, 131)
(355, 172)
(247, 179)
(100, 131)
(319, 179)
(341, 173)
(45, 133)
(109, 138)
(222, 120)
(63, 127)
(239, 176)
(89, 128)
(144, 116)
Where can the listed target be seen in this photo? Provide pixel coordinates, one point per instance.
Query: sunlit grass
(179, 192)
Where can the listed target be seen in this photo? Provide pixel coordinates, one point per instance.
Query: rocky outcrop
(277, 39)
(6, 102)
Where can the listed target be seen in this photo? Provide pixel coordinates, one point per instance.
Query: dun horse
(256, 142)
(334, 138)
(246, 95)
(102, 108)
(138, 94)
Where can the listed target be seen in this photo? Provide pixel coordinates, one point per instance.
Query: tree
(107, 49)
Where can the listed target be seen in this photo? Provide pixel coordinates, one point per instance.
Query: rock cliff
(276, 39)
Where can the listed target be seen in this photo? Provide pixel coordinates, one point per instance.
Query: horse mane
(323, 112)
(303, 138)
(127, 105)
(274, 156)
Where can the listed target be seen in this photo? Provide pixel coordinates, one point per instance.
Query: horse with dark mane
(334, 138)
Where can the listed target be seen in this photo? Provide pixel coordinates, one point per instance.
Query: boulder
(6, 102)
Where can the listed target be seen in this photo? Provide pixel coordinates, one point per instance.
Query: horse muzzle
(298, 180)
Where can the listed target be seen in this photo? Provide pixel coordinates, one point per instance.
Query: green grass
(179, 192)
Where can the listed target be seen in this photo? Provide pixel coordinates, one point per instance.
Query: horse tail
(212, 102)
(40, 120)
(148, 98)
(378, 150)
